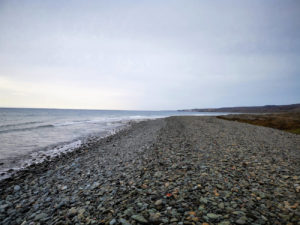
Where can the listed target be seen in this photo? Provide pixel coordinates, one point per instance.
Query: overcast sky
(149, 55)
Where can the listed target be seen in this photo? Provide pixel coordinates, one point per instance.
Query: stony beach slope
(178, 170)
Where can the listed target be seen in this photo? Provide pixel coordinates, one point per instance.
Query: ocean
(30, 136)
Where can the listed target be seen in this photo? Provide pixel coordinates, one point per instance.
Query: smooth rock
(95, 185)
(242, 220)
(72, 211)
(129, 211)
(158, 202)
(139, 218)
(113, 221)
(221, 205)
(203, 200)
(3, 207)
(17, 188)
(124, 222)
(224, 222)
(213, 216)
(40, 216)
(154, 217)
(158, 174)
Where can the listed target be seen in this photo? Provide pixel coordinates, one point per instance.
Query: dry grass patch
(289, 122)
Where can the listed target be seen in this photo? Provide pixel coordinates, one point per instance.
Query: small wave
(26, 129)
(19, 124)
(71, 123)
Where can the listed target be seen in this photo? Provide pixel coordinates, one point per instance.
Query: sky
(149, 55)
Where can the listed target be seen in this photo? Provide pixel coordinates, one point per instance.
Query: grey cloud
(160, 54)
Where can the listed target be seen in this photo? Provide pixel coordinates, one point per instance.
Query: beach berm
(177, 170)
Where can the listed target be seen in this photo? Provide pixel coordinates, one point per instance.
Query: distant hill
(251, 109)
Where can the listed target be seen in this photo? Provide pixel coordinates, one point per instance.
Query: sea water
(30, 135)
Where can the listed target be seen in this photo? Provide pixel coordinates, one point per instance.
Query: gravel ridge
(178, 170)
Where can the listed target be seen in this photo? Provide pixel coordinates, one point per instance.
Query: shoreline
(61, 155)
(40, 156)
(176, 170)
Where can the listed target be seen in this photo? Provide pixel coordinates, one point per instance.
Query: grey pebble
(139, 218)
(113, 221)
(124, 222)
(17, 188)
(213, 216)
(40, 216)
(242, 220)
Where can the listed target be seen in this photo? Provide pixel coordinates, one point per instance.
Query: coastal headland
(177, 170)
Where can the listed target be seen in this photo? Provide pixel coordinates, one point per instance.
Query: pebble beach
(176, 170)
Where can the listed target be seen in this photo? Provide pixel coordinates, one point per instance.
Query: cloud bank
(149, 55)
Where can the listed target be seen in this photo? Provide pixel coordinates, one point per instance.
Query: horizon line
(54, 108)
